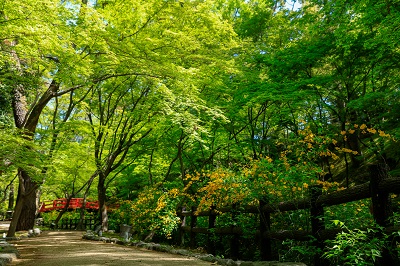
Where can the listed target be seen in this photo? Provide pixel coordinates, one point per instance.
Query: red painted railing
(75, 203)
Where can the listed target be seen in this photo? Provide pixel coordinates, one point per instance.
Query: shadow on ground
(67, 248)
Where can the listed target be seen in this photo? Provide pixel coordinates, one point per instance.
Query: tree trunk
(64, 210)
(24, 204)
(25, 208)
(83, 209)
(17, 213)
(27, 220)
(11, 197)
(101, 190)
(80, 225)
(354, 145)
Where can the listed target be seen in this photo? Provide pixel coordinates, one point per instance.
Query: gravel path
(66, 248)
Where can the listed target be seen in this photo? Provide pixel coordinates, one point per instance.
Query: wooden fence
(378, 189)
(73, 223)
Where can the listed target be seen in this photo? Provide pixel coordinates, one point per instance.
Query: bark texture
(101, 190)
(26, 119)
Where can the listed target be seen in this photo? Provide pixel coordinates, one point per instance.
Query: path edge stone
(8, 253)
(89, 235)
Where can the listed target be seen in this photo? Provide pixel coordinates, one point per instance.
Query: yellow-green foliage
(284, 178)
(155, 210)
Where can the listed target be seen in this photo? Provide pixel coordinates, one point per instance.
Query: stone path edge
(8, 253)
(205, 257)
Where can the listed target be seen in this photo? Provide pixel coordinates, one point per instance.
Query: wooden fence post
(317, 223)
(265, 227)
(382, 212)
(193, 224)
(234, 245)
(381, 204)
(210, 235)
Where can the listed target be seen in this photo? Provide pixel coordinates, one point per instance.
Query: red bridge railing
(75, 203)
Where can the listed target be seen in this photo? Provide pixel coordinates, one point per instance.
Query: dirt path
(66, 248)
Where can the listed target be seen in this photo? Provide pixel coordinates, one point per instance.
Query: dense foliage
(151, 105)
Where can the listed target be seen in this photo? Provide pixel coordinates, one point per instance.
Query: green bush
(356, 246)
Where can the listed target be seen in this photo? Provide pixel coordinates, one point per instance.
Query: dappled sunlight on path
(59, 248)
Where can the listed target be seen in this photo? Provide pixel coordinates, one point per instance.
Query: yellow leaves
(328, 185)
(346, 150)
(383, 134)
(327, 153)
(268, 183)
(223, 187)
(195, 177)
(161, 203)
(278, 179)
(334, 156)
(363, 129)
(174, 192)
(366, 130)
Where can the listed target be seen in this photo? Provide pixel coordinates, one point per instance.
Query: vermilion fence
(74, 203)
(378, 189)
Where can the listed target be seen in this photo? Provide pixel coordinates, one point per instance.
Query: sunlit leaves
(20, 152)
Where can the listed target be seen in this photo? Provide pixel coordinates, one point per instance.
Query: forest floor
(64, 248)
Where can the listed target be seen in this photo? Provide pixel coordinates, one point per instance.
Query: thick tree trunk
(27, 220)
(17, 213)
(28, 191)
(101, 190)
(25, 209)
(24, 205)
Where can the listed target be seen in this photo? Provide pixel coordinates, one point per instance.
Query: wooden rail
(73, 223)
(74, 203)
(378, 189)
